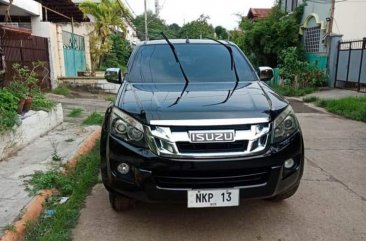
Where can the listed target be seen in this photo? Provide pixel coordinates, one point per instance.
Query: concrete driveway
(329, 205)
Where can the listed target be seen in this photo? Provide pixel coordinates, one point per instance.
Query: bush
(8, 110)
(8, 101)
(298, 73)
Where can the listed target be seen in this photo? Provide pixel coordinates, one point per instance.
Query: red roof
(258, 13)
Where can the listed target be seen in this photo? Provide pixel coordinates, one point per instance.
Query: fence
(24, 52)
(351, 65)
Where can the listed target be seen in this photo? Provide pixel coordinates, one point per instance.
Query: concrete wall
(84, 30)
(20, 6)
(93, 84)
(53, 32)
(33, 125)
(350, 19)
(315, 14)
(332, 59)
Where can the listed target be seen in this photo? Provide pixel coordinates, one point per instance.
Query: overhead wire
(129, 6)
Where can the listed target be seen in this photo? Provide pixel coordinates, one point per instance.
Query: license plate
(213, 198)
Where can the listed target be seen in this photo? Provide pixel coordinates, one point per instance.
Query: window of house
(290, 5)
(312, 39)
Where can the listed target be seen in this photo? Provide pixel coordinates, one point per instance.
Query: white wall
(49, 30)
(53, 32)
(34, 124)
(350, 19)
(29, 6)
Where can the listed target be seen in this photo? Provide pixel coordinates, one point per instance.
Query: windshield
(201, 63)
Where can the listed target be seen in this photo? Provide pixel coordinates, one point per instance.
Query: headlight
(284, 125)
(127, 128)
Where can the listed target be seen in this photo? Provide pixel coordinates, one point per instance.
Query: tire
(284, 195)
(121, 203)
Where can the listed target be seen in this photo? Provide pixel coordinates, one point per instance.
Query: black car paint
(155, 101)
(158, 101)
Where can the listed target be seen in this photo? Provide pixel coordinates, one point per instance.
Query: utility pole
(157, 8)
(330, 30)
(146, 32)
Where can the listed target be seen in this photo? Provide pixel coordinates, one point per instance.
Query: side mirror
(265, 73)
(113, 75)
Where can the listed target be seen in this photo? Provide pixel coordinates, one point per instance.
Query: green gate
(74, 53)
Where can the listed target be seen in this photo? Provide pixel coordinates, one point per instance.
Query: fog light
(123, 168)
(289, 163)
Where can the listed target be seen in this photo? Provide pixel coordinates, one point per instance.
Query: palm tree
(107, 16)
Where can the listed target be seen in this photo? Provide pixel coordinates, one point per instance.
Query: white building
(67, 55)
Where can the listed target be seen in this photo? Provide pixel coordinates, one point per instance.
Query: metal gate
(24, 52)
(351, 65)
(74, 53)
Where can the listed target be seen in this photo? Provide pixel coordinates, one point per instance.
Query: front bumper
(158, 179)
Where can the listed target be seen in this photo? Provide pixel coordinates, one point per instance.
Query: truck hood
(180, 101)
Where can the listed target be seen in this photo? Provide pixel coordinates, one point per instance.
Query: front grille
(221, 179)
(237, 146)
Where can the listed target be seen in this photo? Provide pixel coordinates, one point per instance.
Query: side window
(138, 72)
(244, 71)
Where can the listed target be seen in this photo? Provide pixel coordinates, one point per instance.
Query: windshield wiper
(233, 65)
(181, 69)
(175, 56)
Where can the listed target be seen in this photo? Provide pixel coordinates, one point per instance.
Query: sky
(221, 12)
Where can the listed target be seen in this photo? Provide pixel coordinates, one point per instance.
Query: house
(258, 13)
(60, 23)
(327, 24)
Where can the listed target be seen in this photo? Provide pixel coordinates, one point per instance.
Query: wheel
(284, 195)
(121, 203)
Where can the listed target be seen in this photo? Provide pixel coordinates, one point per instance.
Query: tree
(199, 28)
(174, 30)
(221, 32)
(263, 40)
(108, 16)
(155, 25)
(119, 53)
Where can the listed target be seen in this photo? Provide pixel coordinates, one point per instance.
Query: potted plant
(27, 77)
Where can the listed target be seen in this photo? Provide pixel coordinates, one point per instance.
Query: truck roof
(183, 41)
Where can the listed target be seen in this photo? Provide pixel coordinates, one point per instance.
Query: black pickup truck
(193, 122)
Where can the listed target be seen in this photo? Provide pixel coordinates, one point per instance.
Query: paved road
(329, 205)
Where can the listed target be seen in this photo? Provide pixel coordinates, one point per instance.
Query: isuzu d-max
(194, 122)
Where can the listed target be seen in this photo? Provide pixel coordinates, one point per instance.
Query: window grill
(73, 41)
(312, 39)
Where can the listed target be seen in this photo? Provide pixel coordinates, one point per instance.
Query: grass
(61, 90)
(350, 107)
(76, 185)
(291, 91)
(110, 98)
(94, 119)
(75, 112)
(309, 99)
(10, 227)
